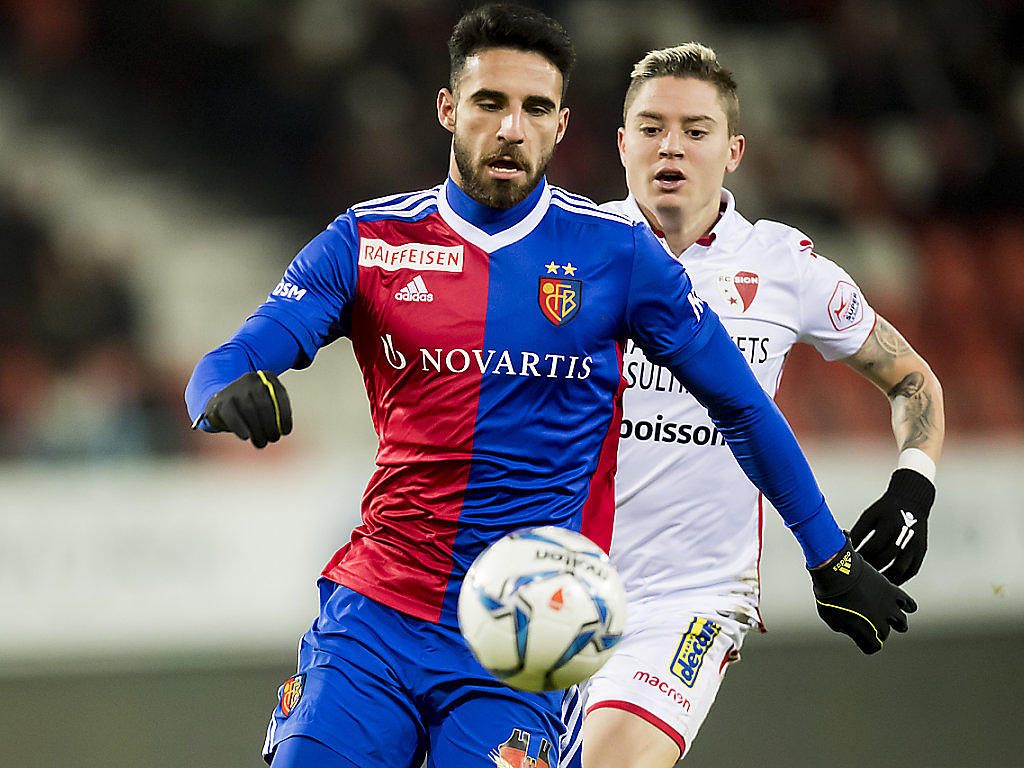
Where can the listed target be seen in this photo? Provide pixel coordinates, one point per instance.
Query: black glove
(254, 406)
(855, 599)
(892, 534)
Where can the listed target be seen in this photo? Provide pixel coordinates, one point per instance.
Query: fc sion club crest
(739, 288)
(559, 298)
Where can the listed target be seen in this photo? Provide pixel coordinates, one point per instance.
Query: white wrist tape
(917, 460)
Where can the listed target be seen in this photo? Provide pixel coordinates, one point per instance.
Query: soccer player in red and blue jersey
(488, 316)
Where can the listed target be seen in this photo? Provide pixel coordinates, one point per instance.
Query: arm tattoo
(915, 413)
(890, 340)
(911, 384)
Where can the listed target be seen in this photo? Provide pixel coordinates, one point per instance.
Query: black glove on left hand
(855, 599)
(254, 406)
(892, 534)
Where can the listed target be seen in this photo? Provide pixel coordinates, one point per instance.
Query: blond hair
(687, 60)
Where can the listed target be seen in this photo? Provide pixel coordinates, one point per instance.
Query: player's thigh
(667, 674)
(304, 752)
(491, 722)
(348, 693)
(615, 738)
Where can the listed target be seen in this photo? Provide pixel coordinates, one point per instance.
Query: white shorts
(667, 670)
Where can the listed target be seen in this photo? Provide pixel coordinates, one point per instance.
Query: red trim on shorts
(730, 656)
(643, 714)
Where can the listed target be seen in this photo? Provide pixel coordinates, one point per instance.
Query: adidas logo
(416, 290)
(844, 565)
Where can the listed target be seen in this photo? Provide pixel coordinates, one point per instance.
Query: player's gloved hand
(855, 599)
(892, 534)
(254, 406)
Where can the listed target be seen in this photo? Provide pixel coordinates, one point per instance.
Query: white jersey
(688, 521)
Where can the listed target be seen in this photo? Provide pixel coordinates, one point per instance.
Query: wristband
(917, 460)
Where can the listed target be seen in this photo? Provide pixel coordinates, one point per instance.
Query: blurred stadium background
(160, 163)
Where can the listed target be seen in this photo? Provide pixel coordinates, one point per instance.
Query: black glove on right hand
(254, 406)
(855, 599)
(892, 533)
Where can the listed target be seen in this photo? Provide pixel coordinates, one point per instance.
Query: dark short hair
(504, 25)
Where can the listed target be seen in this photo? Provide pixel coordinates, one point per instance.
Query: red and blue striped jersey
(490, 343)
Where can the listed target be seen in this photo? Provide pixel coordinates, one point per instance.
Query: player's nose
(671, 145)
(511, 128)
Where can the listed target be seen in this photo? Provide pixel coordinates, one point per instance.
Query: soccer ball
(542, 608)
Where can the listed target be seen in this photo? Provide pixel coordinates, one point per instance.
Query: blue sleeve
(314, 298)
(675, 328)
(761, 440)
(310, 307)
(663, 314)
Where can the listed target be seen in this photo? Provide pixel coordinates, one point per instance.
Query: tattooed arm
(888, 361)
(892, 533)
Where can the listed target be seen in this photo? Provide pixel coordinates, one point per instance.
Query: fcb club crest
(559, 298)
(291, 693)
(514, 752)
(739, 288)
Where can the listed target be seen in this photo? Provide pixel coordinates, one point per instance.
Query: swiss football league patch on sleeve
(846, 307)
(291, 693)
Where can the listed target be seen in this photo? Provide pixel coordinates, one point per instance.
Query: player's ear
(446, 109)
(737, 144)
(563, 124)
(621, 141)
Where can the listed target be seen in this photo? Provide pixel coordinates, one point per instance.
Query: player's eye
(537, 111)
(649, 130)
(696, 133)
(489, 106)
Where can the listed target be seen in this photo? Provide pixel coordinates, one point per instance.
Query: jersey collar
(472, 220)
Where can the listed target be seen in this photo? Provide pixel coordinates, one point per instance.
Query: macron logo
(415, 290)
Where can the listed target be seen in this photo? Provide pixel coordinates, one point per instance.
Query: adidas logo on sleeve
(416, 290)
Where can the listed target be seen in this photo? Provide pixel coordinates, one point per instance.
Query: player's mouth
(506, 168)
(669, 179)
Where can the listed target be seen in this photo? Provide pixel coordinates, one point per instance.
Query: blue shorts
(380, 687)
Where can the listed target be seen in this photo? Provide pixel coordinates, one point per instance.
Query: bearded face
(506, 121)
(482, 177)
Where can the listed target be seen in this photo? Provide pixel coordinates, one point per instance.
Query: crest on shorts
(739, 288)
(291, 693)
(692, 649)
(514, 752)
(559, 298)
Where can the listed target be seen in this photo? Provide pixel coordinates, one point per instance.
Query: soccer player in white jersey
(690, 560)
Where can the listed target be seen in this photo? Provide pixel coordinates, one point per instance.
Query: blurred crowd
(76, 377)
(890, 132)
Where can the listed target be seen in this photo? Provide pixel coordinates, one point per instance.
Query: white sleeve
(835, 318)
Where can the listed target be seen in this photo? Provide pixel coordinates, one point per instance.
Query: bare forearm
(914, 392)
(917, 414)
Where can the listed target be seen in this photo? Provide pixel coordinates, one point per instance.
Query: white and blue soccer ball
(542, 608)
